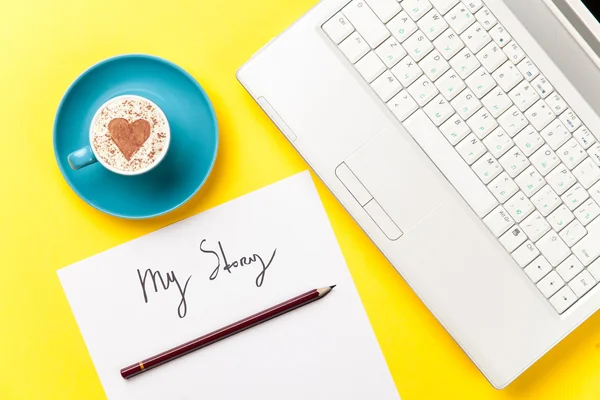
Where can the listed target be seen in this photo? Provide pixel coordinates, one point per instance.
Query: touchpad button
(400, 181)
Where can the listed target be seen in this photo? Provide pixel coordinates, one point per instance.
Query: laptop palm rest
(392, 183)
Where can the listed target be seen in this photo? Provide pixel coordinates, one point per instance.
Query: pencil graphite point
(331, 287)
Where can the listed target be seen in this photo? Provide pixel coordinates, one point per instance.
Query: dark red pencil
(232, 329)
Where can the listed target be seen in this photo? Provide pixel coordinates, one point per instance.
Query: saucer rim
(168, 64)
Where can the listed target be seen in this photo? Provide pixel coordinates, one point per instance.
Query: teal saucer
(194, 136)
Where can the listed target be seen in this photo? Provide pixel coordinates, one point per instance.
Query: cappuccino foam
(130, 109)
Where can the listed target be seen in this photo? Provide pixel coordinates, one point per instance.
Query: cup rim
(141, 171)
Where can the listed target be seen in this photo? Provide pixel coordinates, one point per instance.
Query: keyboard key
(584, 137)
(486, 18)
(546, 200)
(556, 135)
(455, 129)
(498, 142)
(386, 86)
(473, 5)
(561, 179)
(542, 86)
(572, 154)
(338, 28)
(476, 37)
(432, 24)
(487, 168)
(528, 69)
(514, 162)
(525, 254)
(535, 226)
(512, 239)
(545, 160)
(498, 221)
(443, 6)
(385, 9)
(450, 85)
(570, 120)
(529, 141)
(391, 52)
(366, 22)
(492, 57)
(370, 67)
(595, 192)
(482, 123)
(538, 269)
(540, 115)
(416, 8)
(471, 149)
(500, 35)
(556, 103)
(514, 52)
(507, 76)
(407, 71)
(519, 207)
(594, 269)
(497, 102)
(354, 47)
(513, 121)
(434, 65)
(402, 26)
(450, 163)
(583, 283)
(563, 299)
(550, 284)
(418, 46)
(575, 197)
(423, 91)
(460, 18)
(439, 110)
(524, 96)
(449, 44)
(466, 104)
(465, 63)
(560, 218)
(553, 248)
(588, 249)
(481, 83)
(594, 153)
(569, 268)
(503, 187)
(530, 181)
(588, 212)
(402, 105)
(573, 233)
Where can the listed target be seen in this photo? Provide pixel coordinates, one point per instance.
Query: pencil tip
(331, 287)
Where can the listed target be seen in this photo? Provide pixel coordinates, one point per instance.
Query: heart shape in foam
(129, 137)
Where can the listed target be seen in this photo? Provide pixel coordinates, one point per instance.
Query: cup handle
(82, 158)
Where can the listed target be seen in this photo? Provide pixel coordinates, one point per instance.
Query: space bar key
(450, 163)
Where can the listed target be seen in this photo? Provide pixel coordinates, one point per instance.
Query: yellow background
(44, 45)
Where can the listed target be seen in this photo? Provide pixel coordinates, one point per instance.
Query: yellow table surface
(44, 45)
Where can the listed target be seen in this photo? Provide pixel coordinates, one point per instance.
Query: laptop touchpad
(397, 178)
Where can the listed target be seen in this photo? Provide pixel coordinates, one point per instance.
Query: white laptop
(464, 138)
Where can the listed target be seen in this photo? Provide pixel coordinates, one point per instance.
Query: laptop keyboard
(514, 149)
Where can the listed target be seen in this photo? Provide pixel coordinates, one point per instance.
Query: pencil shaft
(222, 333)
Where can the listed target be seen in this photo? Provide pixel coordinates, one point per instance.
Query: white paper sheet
(325, 350)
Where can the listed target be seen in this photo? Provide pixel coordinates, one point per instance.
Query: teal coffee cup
(129, 135)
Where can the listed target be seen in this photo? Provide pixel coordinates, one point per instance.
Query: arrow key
(538, 269)
(550, 284)
(564, 299)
